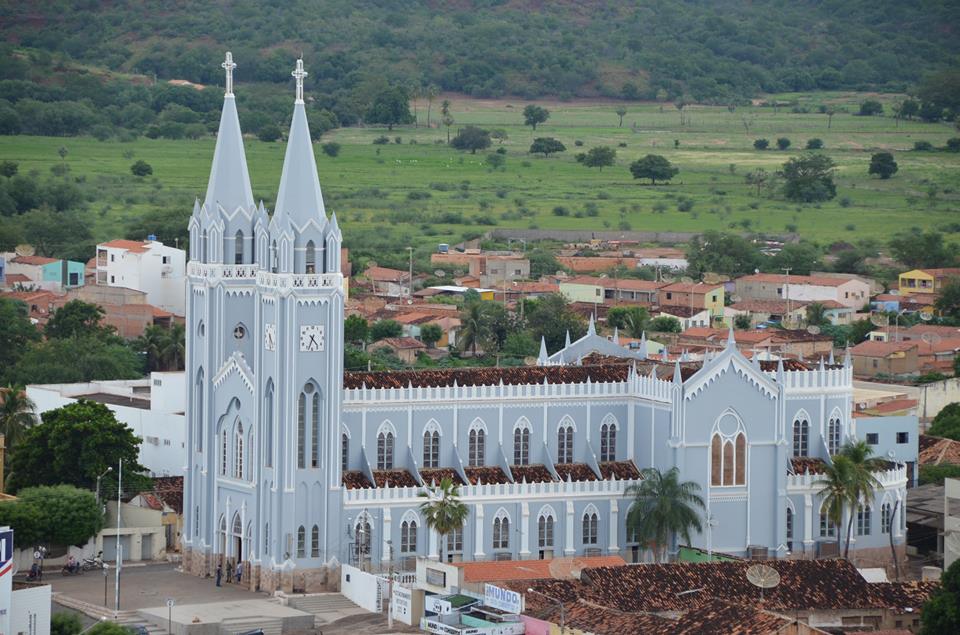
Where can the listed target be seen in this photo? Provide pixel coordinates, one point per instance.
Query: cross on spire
(228, 66)
(299, 74)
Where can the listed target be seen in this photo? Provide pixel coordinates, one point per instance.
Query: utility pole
(390, 588)
(786, 290)
(119, 546)
(410, 280)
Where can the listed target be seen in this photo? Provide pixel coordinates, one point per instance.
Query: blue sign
(6, 552)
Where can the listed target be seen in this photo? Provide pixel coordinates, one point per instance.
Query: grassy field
(428, 192)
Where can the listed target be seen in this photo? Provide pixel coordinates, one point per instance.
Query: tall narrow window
(545, 532)
(311, 258)
(268, 427)
(315, 542)
(238, 453)
(728, 463)
(238, 248)
(301, 542)
(590, 528)
(740, 476)
(344, 452)
(196, 521)
(716, 461)
(886, 518)
(501, 533)
(789, 529)
(431, 449)
(828, 529)
(385, 450)
(833, 435)
(203, 246)
(362, 538)
(477, 447)
(199, 417)
(864, 520)
(224, 451)
(728, 460)
(608, 442)
(521, 446)
(274, 258)
(315, 431)
(266, 538)
(408, 536)
(801, 434)
(455, 541)
(565, 444)
(302, 431)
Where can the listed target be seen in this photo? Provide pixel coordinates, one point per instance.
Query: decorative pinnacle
(299, 74)
(228, 65)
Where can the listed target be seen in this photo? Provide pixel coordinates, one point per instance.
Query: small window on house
(669, 296)
(903, 437)
(166, 260)
(873, 438)
(112, 279)
(876, 363)
(597, 291)
(113, 257)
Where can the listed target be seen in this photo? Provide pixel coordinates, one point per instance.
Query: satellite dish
(925, 316)
(711, 278)
(735, 298)
(409, 301)
(952, 542)
(440, 273)
(813, 329)
(603, 275)
(24, 250)
(667, 279)
(879, 319)
(686, 280)
(763, 577)
(931, 338)
(790, 322)
(891, 453)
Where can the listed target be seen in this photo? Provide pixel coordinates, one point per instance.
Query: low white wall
(31, 610)
(360, 588)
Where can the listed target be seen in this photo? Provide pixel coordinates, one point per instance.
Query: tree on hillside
(941, 611)
(77, 359)
(680, 104)
(142, 168)
(543, 262)
(58, 234)
(664, 509)
(431, 93)
(783, 143)
(722, 253)
(61, 515)
(665, 324)
(653, 167)
(883, 165)
(546, 146)
(73, 445)
(947, 422)
(761, 144)
(940, 91)
(17, 415)
(599, 157)
(445, 117)
(870, 108)
(471, 138)
(809, 178)
(355, 329)
(621, 112)
(815, 144)
(391, 107)
(430, 334)
(383, 329)
(533, 115)
(801, 258)
(916, 250)
(758, 177)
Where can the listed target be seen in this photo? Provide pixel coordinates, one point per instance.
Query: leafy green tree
(599, 157)
(621, 112)
(863, 485)
(65, 624)
(17, 415)
(546, 146)
(543, 263)
(473, 327)
(835, 487)
(8, 169)
(520, 344)
(331, 148)
(169, 224)
(65, 361)
(809, 178)
(783, 143)
(909, 108)
(382, 329)
(390, 107)
(355, 329)
(17, 333)
(666, 324)
(533, 115)
(723, 253)
(58, 234)
(941, 612)
(61, 514)
(816, 314)
(268, 133)
(550, 317)
(446, 118)
(761, 144)
(443, 511)
(664, 509)
(941, 90)
(496, 160)
(742, 322)
(430, 334)
(653, 167)
(918, 250)
(947, 422)
(142, 168)
(936, 474)
(948, 301)
(815, 144)
(953, 145)
(77, 318)
(883, 165)
(632, 320)
(870, 108)
(73, 445)
(108, 628)
(801, 258)
(471, 138)
(164, 347)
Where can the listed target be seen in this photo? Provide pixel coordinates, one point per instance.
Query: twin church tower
(264, 361)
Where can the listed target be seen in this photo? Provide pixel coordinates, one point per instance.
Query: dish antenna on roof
(686, 280)
(735, 298)
(813, 329)
(666, 278)
(440, 273)
(24, 250)
(931, 338)
(763, 577)
(879, 319)
(711, 278)
(926, 316)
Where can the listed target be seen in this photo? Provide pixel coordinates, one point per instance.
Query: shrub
(685, 205)
(761, 144)
(331, 149)
(381, 141)
(141, 168)
(783, 143)
(922, 146)
(560, 210)
(845, 201)
(417, 195)
(397, 140)
(578, 143)
(814, 144)
(870, 108)
(269, 132)
(622, 144)
(953, 145)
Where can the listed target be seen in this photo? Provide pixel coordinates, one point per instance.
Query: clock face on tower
(311, 338)
(270, 337)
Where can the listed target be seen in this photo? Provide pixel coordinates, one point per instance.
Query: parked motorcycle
(93, 564)
(35, 574)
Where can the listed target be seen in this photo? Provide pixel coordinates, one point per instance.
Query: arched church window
(501, 532)
(521, 446)
(344, 452)
(545, 531)
(565, 444)
(302, 431)
(408, 536)
(477, 447)
(591, 524)
(728, 460)
(311, 258)
(431, 449)
(268, 426)
(608, 442)
(203, 246)
(315, 430)
(789, 528)
(385, 450)
(238, 453)
(198, 418)
(315, 542)
(274, 258)
(801, 436)
(301, 542)
(223, 451)
(238, 248)
(833, 435)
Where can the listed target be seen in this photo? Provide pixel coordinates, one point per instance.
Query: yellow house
(926, 280)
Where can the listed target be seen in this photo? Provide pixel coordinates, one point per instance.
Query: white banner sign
(503, 599)
(402, 605)
(434, 604)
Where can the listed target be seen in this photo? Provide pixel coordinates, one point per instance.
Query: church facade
(294, 466)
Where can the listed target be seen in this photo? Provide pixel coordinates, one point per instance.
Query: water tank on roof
(443, 248)
(151, 237)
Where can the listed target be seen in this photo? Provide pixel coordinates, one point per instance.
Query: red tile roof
(531, 474)
(394, 478)
(16, 278)
(384, 274)
(779, 278)
(623, 284)
(433, 475)
(34, 260)
(938, 450)
(400, 343)
(559, 568)
(130, 245)
(881, 349)
(523, 375)
(575, 472)
(805, 464)
(623, 470)
(485, 474)
(695, 287)
(354, 479)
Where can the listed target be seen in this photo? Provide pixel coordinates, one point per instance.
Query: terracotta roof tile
(805, 464)
(938, 450)
(394, 478)
(531, 473)
(881, 349)
(435, 475)
(486, 376)
(355, 479)
(504, 570)
(130, 245)
(623, 470)
(34, 260)
(575, 472)
(778, 278)
(486, 474)
(903, 595)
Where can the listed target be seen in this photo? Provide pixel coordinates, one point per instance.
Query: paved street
(148, 586)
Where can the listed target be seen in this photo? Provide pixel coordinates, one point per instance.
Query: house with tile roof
(872, 358)
(849, 292)
(42, 273)
(149, 266)
(294, 466)
(926, 280)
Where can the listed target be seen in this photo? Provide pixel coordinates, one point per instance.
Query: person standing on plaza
(219, 574)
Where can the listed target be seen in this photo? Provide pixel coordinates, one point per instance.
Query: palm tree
(174, 347)
(473, 327)
(152, 344)
(663, 508)
(863, 484)
(443, 509)
(16, 415)
(816, 314)
(836, 487)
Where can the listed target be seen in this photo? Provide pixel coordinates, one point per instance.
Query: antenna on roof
(763, 577)
(24, 250)
(925, 316)
(878, 318)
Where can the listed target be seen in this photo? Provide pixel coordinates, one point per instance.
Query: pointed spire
(643, 345)
(616, 335)
(780, 369)
(543, 358)
(830, 361)
(663, 354)
(822, 365)
(299, 195)
(591, 328)
(334, 226)
(677, 376)
(847, 359)
(731, 340)
(566, 342)
(229, 183)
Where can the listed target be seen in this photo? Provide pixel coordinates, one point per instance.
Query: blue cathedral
(294, 466)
